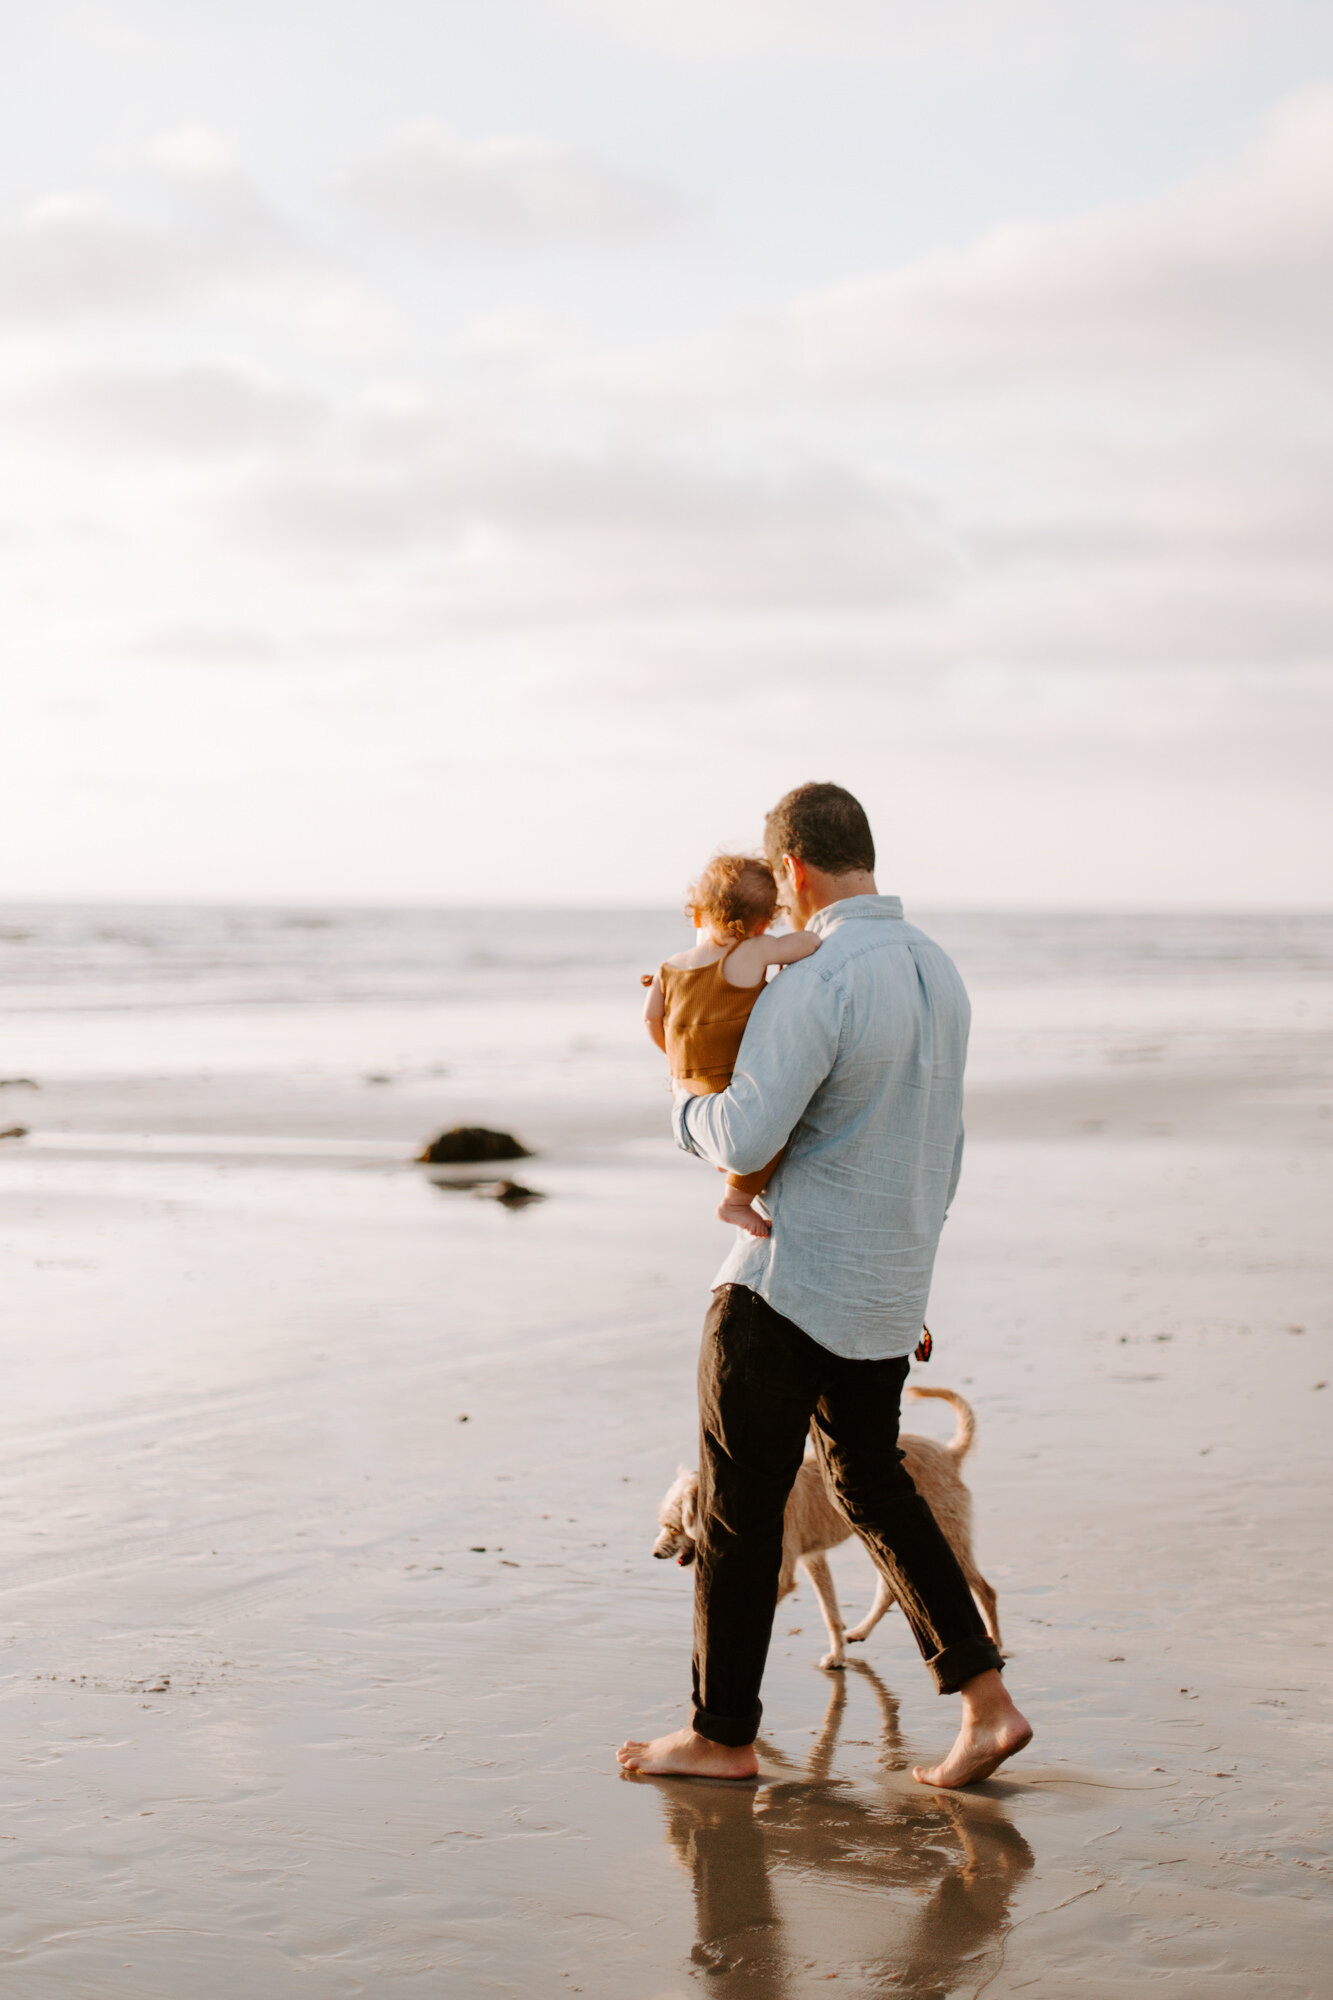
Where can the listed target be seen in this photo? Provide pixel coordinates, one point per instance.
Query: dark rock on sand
(14, 1132)
(511, 1193)
(465, 1145)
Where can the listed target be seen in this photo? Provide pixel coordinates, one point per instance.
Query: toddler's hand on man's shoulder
(792, 947)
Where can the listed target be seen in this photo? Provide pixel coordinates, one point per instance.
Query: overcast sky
(467, 452)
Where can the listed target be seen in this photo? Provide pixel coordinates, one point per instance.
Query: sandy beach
(329, 1488)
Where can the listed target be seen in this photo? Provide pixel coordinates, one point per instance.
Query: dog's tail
(960, 1443)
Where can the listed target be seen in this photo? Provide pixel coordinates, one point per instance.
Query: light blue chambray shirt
(854, 1059)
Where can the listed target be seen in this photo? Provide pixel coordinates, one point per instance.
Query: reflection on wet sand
(806, 1876)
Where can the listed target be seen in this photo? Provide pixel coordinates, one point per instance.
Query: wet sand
(313, 1686)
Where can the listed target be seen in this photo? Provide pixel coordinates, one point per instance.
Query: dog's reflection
(935, 1874)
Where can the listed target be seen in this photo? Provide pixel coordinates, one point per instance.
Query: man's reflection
(765, 1861)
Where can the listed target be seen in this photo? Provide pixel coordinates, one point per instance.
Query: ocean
(72, 975)
(263, 1014)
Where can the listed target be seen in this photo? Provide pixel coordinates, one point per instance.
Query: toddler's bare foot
(685, 1755)
(740, 1211)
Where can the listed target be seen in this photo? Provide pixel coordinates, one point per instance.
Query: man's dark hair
(823, 826)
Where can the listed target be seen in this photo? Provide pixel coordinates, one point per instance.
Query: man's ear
(794, 869)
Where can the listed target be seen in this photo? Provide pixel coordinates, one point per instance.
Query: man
(853, 1059)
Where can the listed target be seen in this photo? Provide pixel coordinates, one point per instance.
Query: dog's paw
(854, 1637)
(832, 1660)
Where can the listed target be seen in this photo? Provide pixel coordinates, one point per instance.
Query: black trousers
(763, 1387)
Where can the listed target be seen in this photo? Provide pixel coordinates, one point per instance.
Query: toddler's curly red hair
(734, 893)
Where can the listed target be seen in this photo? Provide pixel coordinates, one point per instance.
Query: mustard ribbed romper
(704, 1021)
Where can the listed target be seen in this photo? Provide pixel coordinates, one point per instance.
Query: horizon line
(324, 901)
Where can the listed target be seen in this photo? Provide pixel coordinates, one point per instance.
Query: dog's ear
(689, 1509)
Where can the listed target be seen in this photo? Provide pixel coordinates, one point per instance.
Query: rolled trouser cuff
(734, 1731)
(961, 1661)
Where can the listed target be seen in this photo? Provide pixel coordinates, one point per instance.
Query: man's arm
(789, 1047)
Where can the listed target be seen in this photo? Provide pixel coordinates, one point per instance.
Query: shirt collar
(858, 907)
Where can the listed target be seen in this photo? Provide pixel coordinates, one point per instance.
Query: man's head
(820, 848)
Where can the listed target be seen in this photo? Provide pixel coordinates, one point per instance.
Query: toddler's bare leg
(735, 1206)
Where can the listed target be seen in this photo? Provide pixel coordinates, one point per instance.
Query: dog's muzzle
(671, 1545)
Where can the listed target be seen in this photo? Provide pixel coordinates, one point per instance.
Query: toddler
(699, 1001)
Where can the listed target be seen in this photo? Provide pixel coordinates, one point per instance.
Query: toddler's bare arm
(787, 949)
(654, 1007)
(750, 961)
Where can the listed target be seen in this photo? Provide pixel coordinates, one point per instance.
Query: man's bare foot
(992, 1730)
(686, 1755)
(739, 1210)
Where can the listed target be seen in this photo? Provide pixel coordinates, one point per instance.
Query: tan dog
(813, 1524)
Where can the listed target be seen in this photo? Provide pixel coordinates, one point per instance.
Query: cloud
(198, 156)
(428, 183)
(67, 255)
(1113, 417)
(72, 256)
(969, 37)
(202, 646)
(1235, 266)
(518, 334)
(204, 411)
(512, 534)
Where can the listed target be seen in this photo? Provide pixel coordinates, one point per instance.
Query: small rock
(512, 1193)
(14, 1132)
(19, 1083)
(464, 1145)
